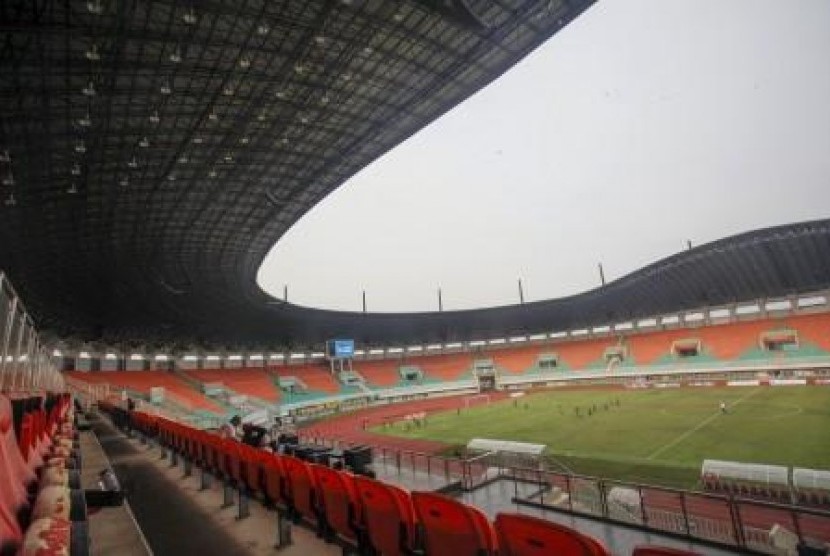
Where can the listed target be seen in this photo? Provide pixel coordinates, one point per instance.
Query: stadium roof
(151, 153)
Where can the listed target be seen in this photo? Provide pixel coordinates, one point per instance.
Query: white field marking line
(697, 427)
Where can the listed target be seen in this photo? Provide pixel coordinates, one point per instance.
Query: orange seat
(523, 535)
(388, 516)
(452, 527)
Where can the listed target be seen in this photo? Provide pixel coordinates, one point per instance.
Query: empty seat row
(42, 509)
(359, 512)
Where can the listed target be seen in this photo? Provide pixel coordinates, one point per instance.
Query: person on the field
(723, 407)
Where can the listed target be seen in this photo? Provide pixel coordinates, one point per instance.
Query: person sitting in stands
(232, 428)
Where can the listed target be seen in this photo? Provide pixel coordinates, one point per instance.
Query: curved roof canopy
(151, 153)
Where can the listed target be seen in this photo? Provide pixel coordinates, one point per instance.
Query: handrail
(25, 364)
(730, 520)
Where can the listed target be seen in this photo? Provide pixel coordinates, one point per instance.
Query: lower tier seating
(42, 509)
(357, 512)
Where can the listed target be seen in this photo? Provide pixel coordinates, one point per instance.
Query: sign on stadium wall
(788, 382)
(743, 383)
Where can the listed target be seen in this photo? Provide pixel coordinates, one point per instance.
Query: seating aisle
(113, 529)
(178, 518)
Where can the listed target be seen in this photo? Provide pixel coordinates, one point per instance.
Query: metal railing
(757, 525)
(25, 364)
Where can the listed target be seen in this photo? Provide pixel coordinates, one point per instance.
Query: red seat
(452, 527)
(650, 550)
(522, 535)
(274, 483)
(388, 516)
(338, 501)
(300, 487)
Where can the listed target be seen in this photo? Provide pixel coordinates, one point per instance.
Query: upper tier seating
(655, 347)
(142, 381)
(518, 359)
(383, 373)
(251, 382)
(316, 376)
(814, 329)
(448, 367)
(579, 354)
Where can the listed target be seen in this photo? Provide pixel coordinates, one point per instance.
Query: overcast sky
(642, 124)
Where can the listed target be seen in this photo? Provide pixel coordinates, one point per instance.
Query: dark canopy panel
(151, 153)
(154, 151)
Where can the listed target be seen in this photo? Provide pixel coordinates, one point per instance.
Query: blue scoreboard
(340, 349)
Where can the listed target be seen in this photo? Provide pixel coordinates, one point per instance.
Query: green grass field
(653, 436)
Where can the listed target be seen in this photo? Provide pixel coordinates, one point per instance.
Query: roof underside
(151, 153)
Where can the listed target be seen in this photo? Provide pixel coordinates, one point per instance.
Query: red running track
(349, 428)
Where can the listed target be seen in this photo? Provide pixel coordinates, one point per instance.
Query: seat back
(300, 487)
(452, 527)
(338, 500)
(523, 535)
(387, 515)
(274, 483)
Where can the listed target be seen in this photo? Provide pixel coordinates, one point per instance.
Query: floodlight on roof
(189, 17)
(262, 29)
(244, 62)
(245, 140)
(133, 163)
(95, 7)
(165, 88)
(198, 140)
(212, 174)
(8, 180)
(213, 116)
(320, 40)
(171, 177)
(5, 156)
(85, 120)
(281, 94)
(124, 182)
(324, 100)
(299, 68)
(92, 53)
(72, 189)
(176, 56)
(89, 90)
(144, 143)
(10, 201)
(183, 159)
(75, 170)
(154, 117)
(80, 147)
